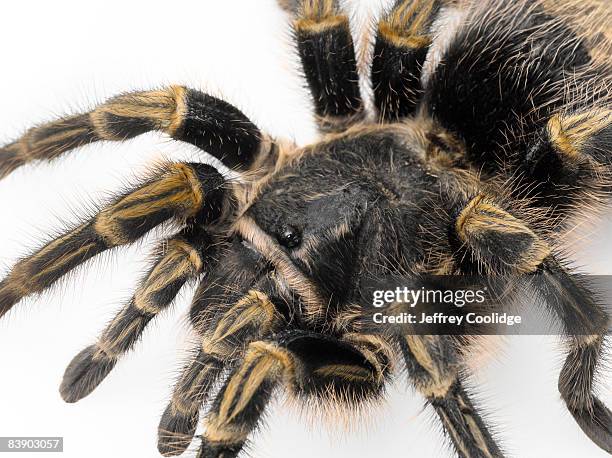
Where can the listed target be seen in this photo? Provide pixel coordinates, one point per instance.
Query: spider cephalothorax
(490, 138)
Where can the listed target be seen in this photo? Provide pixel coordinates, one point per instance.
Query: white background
(62, 56)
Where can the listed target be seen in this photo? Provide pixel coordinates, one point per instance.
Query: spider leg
(505, 244)
(499, 243)
(239, 405)
(179, 420)
(251, 318)
(325, 46)
(569, 161)
(178, 191)
(307, 364)
(181, 258)
(402, 42)
(496, 239)
(184, 114)
(433, 368)
(586, 322)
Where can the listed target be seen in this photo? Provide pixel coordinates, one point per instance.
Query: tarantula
(491, 130)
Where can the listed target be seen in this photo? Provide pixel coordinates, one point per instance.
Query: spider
(490, 132)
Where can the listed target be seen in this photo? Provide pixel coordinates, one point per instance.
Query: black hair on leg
(179, 191)
(250, 318)
(178, 422)
(327, 53)
(571, 300)
(181, 258)
(402, 42)
(184, 114)
(434, 370)
(568, 163)
(240, 404)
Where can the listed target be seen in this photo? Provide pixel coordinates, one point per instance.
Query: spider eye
(289, 236)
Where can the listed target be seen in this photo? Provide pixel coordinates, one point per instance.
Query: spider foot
(84, 373)
(596, 423)
(175, 431)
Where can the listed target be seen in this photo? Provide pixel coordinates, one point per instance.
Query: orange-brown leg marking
(179, 192)
(181, 259)
(251, 318)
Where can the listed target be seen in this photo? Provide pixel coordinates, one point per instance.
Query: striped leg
(402, 42)
(497, 241)
(179, 191)
(504, 244)
(181, 259)
(251, 318)
(182, 113)
(237, 410)
(340, 373)
(433, 369)
(179, 420)
(570, 160)
(586, 322)
(576, 382)
(327, 53)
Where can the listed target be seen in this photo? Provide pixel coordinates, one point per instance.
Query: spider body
(342, 197)
(488, 142)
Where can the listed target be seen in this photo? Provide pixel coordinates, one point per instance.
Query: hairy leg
(178, 191)
(180, 259)
(339, 373)
(252, 317)
(327, 53)
(568, 163)
(184, 114)
(434, 370)
(570, 299)
(402, 42)
(231, 308)
(503, 244)
(238, 408)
